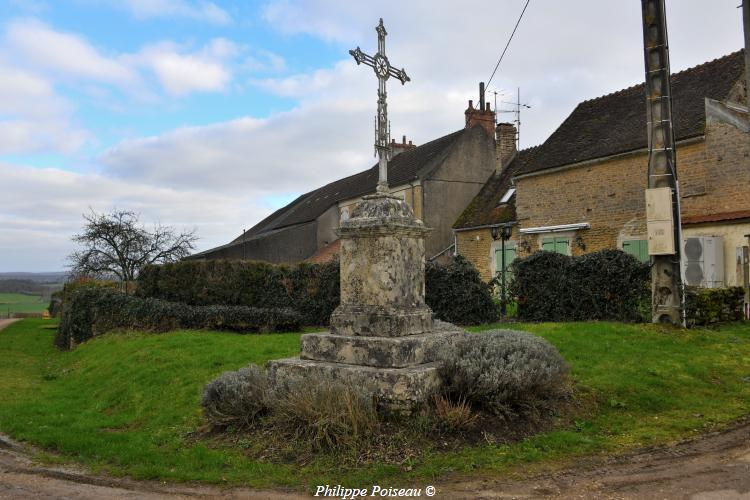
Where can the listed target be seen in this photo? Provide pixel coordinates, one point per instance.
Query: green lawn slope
(129, 403)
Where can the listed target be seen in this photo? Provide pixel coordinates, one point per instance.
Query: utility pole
(746, 26)
(663, 195)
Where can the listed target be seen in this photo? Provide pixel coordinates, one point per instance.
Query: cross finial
(383, 70)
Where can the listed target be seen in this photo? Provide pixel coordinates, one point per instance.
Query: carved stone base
(384, 352)
(398, 390)
(380, 321)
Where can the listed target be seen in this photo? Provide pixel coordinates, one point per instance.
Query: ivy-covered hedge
(311, 289)
(457, 294)
(604, 285)
(90, 311)
(704, 306)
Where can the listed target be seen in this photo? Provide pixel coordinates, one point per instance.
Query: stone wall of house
(609, 195)
(450, 188)
(478, 246)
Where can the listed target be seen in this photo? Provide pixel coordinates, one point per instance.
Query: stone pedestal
(382, 335)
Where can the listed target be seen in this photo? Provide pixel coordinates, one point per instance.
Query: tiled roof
(485, 209)
(616, 123)
(403, 168)
(725, 216)
(326, 253)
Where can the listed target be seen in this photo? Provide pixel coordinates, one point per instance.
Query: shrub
(504, 372)
(55, 303)
(704, 306)
(327, 414)
(237, 399)
(605, 285)
(457, 294)
(92, 311)
(311, 289)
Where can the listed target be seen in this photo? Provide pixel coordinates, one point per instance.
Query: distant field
(19, 302)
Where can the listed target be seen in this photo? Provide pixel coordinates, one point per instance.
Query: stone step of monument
(383, 352)
(398, 389)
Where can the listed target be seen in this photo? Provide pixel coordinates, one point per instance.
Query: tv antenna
(516, 111)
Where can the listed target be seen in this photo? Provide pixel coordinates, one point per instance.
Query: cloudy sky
(209, 115)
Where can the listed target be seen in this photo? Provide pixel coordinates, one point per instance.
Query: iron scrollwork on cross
(383, 70)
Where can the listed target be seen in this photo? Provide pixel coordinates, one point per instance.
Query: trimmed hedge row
(311, 289)
(91, 311)
(455, 292)
(604, 285)
(704, 306)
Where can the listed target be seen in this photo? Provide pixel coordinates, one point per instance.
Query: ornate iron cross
(383, 70)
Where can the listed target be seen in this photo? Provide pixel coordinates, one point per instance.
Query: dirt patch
(6, 322)
(714, 466)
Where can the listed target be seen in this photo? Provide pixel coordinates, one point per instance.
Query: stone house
(582, 190)
(437, 179)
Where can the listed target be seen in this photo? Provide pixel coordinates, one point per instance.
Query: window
(510, 256)
(636, 248)
(508, 195)
(557, 244)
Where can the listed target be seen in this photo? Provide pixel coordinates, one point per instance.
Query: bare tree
(116, 244)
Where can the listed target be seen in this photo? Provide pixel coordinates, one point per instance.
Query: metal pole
(746, 26)
(503, 306)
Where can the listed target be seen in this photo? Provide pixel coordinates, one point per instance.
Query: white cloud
(42, 209)
(33, 118)
(203, 11)
(181, 73)
(220, 177)
(66, 54)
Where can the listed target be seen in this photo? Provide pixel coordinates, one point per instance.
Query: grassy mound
(129, 403)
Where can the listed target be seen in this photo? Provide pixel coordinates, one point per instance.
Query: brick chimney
(505, 144)
(397, 148)
(483, 115)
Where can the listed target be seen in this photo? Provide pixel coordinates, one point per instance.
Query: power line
(508, 44)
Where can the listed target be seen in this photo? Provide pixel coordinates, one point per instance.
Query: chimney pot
(471, 104)
(403, 140)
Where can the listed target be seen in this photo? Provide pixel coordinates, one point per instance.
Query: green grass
(128, 404)
(19, 302)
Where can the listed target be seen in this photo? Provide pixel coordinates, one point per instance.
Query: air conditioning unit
(703, 261)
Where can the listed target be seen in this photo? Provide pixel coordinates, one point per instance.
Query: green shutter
(510, 256)
(636, 248)
(556, 244)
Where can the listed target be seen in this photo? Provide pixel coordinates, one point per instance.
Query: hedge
(311, 289)
(91, 311)
(455, 292)
(704, 306)
(604, 285)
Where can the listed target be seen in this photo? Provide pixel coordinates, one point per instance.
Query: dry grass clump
(326, 414)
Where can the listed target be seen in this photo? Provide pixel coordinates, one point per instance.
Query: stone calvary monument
(382, 334)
